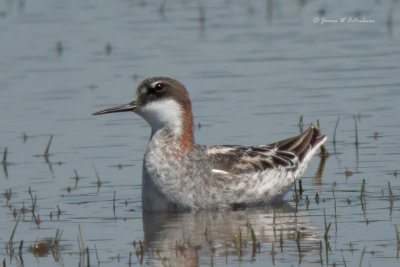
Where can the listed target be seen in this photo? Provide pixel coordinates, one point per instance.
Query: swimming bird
(178, 174)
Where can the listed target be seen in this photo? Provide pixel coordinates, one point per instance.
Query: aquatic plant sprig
(334, 132)
(324, 152)
(81, 243)
(33, 203)
(391, 199)
(115, 192)
(76, 178)
(301, 124)
(97, 176)
(4, 162)
(46, 152)
(139, 250)
(334, 201)
(355, 131)
(10, 240)
(326, 227)
(253, 239)
(57, 238)
(362, 256)
(7, 195)
(362, 196)
(238, 243)
(97, 255)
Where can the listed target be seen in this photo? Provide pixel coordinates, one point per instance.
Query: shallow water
(252, 69)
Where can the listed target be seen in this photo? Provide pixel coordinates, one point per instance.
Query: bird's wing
(288, 154)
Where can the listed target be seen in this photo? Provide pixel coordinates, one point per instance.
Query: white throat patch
(163, 113)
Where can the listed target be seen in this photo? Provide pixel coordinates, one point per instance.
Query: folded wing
(290, 154)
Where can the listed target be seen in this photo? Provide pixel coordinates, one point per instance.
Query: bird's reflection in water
(212, 237)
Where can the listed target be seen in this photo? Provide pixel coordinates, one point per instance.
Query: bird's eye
(159, 87)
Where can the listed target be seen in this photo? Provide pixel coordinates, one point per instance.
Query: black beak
(127, 107)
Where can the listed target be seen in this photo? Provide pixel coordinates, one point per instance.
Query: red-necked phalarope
(181, 175)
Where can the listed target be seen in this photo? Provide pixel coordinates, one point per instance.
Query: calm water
(252, 70)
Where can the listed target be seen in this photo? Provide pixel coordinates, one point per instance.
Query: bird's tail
(304, 146)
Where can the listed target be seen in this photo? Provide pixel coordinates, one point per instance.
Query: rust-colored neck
(187, 139)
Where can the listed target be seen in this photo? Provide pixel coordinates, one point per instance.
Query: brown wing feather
(301, 144)
(287, 153)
